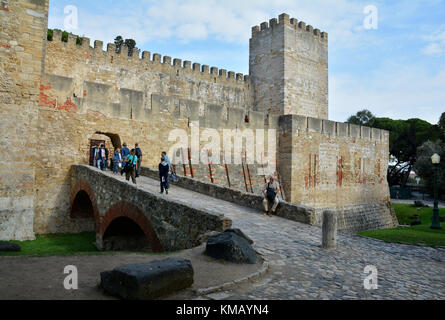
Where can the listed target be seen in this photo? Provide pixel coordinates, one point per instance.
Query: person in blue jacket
(164, 169)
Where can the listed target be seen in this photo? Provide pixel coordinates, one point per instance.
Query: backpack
(270, 193)
(174, 178)
(138, 153)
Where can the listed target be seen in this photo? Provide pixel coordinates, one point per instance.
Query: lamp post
(436, 219)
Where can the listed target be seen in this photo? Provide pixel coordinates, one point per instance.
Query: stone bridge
(121, 209)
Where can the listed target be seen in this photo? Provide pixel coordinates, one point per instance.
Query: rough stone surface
(231, 247)
(148, 281)
(329, 230)
(241, 234)
(9, 247)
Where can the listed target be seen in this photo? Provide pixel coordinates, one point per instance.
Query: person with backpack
(270, 191)
(130, 166)
(164, 169)
(139, 156)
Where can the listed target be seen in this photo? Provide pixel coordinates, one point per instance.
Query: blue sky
(396, 70)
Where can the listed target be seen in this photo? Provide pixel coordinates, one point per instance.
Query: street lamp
(436, 219)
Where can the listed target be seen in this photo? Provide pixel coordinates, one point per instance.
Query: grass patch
(415, 235)
(61, 245)
(57, 244)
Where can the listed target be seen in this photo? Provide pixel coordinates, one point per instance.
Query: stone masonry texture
(56, 97)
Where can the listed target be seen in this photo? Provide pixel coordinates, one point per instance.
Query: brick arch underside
(121, 209)
(130, 211)
(84, 186)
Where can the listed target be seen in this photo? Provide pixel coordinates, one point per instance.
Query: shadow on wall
(82, 206)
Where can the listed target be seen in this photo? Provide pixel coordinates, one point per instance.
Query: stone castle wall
(67, 124)
(55, 97)
(22, 31)
(333, 164)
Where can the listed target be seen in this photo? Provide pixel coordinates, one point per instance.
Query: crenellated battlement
(147, 59)
(285, 21)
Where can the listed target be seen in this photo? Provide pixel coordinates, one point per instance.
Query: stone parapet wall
(353, 218)
(286, 210)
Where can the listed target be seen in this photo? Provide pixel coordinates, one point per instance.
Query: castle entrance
(111, 142)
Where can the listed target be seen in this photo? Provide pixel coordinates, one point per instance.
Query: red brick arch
(83, 185)
(128, 210)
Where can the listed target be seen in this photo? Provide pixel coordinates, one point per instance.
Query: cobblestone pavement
(301, 269)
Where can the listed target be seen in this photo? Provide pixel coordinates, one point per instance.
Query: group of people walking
(129, 162)
(124, 161)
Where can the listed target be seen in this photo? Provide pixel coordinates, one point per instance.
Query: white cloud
(436, 43)
(229, 20)
(192, 31)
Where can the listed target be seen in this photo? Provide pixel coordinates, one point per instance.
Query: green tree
(441, 126)
(49, 36)
(119, 41)
(424, 166)
(405, 137)
(362, 118)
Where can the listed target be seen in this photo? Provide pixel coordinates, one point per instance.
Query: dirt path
(41, 278)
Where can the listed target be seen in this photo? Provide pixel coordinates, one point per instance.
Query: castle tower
(22, 46)
(289, 68)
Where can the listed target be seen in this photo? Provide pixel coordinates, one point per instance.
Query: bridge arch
(83, 202)
(129, 211)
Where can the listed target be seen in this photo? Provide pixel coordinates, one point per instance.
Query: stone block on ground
(231, 247)
(241, 234)
(9, 247)
(148, 281)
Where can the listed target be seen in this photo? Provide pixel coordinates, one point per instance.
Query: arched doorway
(111, 141)
(123, 234)
(115, 139)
